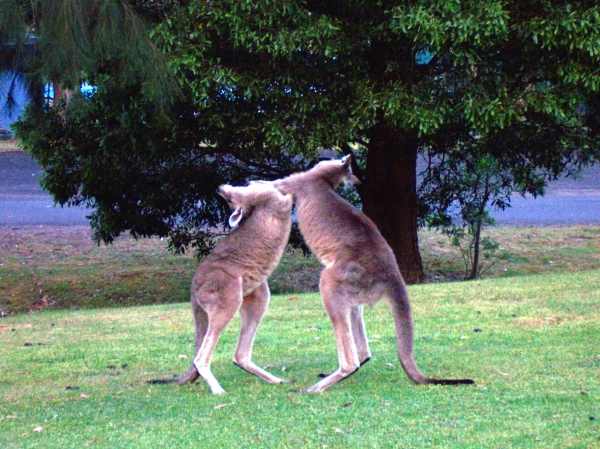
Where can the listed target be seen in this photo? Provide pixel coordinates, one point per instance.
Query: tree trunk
(478, 226)
(389, 195)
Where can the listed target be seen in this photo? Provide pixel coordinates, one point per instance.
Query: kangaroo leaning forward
(234, 277)
(359, 268)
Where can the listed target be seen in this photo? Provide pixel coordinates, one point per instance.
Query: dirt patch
(9, 145)
(40, 241)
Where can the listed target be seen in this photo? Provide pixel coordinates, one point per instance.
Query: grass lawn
(73, 379)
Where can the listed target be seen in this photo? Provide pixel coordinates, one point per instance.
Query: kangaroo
(234, 277)
(359, 268)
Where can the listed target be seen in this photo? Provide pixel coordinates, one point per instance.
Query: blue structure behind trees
(14, 97)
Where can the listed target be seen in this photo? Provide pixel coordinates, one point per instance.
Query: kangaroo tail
(403, 323)
(451, 381)
(189, 377)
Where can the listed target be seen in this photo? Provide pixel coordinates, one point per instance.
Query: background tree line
(499, 97)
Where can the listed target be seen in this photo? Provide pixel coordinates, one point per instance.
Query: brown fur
(360, 268)
(234, 277)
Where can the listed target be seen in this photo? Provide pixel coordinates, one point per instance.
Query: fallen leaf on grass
(97, 440)
(294, 298)
(217, 407)
(164, 318)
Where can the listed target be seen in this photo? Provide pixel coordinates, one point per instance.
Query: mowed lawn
(74, 379)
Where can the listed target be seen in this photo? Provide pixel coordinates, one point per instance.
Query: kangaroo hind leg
(253, 308)
(221, 308)
(201, 324)
(340, 313)
(359, 333)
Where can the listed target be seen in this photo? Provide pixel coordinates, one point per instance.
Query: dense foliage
(66, 42)
(265, 84)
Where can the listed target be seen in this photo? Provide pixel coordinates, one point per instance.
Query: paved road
(553, 209)
(22, 201)
(567, 201)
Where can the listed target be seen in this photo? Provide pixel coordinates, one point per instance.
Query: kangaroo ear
(236, 217)
(352, 180)
(349, 177)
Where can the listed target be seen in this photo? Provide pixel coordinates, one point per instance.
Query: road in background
(567, 201)
(551, 210)
(23, 202)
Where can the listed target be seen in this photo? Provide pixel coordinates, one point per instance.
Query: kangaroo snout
(225, 191)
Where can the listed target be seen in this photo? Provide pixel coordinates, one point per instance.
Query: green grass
(536, 363)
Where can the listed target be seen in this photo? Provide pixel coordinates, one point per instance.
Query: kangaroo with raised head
(234, 277)
(359, 268)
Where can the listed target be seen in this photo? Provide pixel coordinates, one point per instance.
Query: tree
(65, 41)
(264, 84)
(457, 199)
